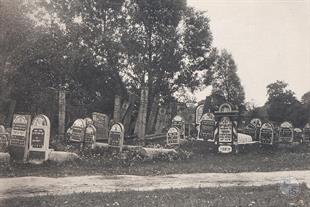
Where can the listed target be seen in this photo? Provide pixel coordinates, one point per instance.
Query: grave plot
(39, 139)
(18, 146)
(207, 127)
(266, 135)
(306, 133)
(101, 123)
(179, 123)
(173, 137)
(286, 133)
(226, 134)
(116, 136)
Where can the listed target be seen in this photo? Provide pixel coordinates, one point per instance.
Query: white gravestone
(266, 135)
(173, 136)
(179, 123)
(90, 137)
(39, 138)
(206, 127)
(78, 131)
(116, 136)
(286, 133)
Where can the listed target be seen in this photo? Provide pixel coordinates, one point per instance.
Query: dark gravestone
(78, 131)
(90, 137)
(101, 123)
(286, 133)
(253, 128)
(206, 127)
(306, 133)
(116, 136)
(298, 135)
(173, 136)
(39, 138)
(20, 137)
(266, 135)
(179, 123)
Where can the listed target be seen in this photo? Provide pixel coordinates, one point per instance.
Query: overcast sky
(269, 40)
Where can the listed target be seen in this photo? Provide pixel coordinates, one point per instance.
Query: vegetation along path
(34, 186)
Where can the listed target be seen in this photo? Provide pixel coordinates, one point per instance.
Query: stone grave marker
(19, 141)
(286, 133)
(116, 136)
(199, 113)
(78, 131)
(298, 135)
(101, 123)
(90, 137)
(4, 139)
(306, 133)
(179, 123)
(173, 136)
(266, 135)
(253, 128)
(39, 138)
(206, 127)
(225, 135)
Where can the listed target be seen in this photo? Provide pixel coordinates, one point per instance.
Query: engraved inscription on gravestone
(179, 123)
(173, 136)
(90, 136)
(101, 123)
(20, 137)
(4, 139)
(39, 138)
(286, 133)
(78, 131)
(116, 136)
(206, 128)
(266, 135)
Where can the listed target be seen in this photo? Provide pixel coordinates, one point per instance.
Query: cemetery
(176, 102)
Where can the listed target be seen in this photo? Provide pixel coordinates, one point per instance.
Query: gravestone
(179, 123)
(117, 109)
(39, 138)
(101, 123)
(173, 136)
(90, 137)
(226, 135)
(298, 135)
(199, 113)
(141, 120)
(253, 128)
(78, 131)
(286, 133)
(116, 136)
(306, 133)
(19, 141)
(4, 139)
(266, 135)
(206, 127)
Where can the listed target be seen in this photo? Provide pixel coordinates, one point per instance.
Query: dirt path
(34, 186)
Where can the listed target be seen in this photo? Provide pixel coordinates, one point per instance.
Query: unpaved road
(34, 186)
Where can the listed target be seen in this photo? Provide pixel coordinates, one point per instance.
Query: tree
(16, 28)
(282, 105)
(224, 79)
(305, 99)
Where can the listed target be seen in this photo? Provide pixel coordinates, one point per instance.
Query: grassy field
(222, 197)
(193, 158)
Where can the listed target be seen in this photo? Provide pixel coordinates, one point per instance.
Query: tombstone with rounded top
(206, 127)
(39, 138)
(4, 139)
(173, 136)
(179, 123)
(88, 121)
(78, 131)
(266, 135)
(286, 133)
(18, 144)
(116, 136)
(90, 137)
(199, 113)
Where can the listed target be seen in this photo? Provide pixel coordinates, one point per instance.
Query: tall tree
(224, 79)
(282, 105)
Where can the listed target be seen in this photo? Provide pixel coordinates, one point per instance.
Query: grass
(222, 197)
(193, 158)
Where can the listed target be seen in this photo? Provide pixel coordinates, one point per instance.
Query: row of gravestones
(27, 140)
(85, 133)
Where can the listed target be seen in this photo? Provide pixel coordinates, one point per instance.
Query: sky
(269, 41)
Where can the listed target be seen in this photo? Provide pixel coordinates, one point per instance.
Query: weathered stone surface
(59, 156)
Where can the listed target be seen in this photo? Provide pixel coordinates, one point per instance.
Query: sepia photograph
(154, 103)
